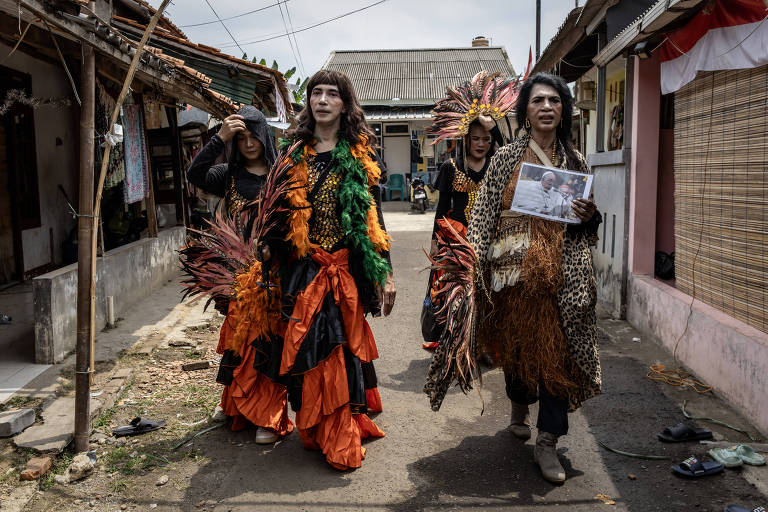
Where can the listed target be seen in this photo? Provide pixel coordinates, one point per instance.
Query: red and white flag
(726, 34)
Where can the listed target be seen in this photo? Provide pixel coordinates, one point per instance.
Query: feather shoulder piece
(456, 356)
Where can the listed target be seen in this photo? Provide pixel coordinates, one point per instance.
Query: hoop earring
(527, 124)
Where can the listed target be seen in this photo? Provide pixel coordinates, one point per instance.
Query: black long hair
(353, 123)
(563, 130)
(468, 141)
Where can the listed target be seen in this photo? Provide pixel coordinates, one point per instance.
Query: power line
(293, 51)
(295, 41)
(246, 43)
(236, 15)
(225, 27)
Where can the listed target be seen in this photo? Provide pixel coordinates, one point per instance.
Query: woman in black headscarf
(253, 153)
(250, 395)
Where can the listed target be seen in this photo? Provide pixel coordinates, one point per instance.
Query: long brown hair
(353, 123)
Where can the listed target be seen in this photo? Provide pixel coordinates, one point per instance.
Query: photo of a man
(549, 193)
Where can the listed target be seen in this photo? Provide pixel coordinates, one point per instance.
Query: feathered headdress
(486, 93)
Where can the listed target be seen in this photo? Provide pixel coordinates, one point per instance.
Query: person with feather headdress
(329, 241)
(217, 258)
(468, 112)
(520, 290)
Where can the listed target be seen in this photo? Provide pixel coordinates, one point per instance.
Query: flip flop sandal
(682, 432)
(137, 427)
(736, 508)
(430, 345)
(749, 456)
(693, 467)
(726, 457)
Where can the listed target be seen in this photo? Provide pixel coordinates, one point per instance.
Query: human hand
(486, 122)
(387, 295)
(231, 126)
(584, 209)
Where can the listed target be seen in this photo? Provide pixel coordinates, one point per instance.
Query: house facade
(145, 205)
(687, 185)
(398, 88)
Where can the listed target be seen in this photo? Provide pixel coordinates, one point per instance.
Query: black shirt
(217, 178)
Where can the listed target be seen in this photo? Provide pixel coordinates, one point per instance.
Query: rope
(724, 424)
(635, 455)
(677, 377)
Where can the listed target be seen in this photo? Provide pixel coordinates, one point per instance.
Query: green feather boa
(355, 198)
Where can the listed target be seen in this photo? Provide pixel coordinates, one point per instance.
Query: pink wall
(665, 206)
(645, 165)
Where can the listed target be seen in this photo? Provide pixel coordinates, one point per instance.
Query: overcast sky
(390, 24)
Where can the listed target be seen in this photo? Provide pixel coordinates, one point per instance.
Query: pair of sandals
(724, 457)
(737, 455)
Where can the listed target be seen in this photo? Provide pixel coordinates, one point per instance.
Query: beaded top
(463, 183)
(325, 227)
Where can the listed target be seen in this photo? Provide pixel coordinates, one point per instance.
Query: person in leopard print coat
(537, 292)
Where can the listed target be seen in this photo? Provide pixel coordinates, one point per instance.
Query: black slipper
(693, 467)
(682, 432)
(138, 426)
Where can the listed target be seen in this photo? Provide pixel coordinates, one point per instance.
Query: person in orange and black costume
(252, 393)
(330, 244)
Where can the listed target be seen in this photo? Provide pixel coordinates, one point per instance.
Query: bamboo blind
(721, 192)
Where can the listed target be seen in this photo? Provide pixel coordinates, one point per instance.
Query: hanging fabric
(135, 155)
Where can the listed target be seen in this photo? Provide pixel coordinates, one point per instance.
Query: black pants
(553, 411)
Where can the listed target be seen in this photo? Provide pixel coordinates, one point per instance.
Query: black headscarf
(257, 125)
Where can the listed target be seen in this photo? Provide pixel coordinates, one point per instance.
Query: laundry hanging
(135, 155)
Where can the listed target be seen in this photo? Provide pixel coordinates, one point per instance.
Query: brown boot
(520, 426)
(545, 455)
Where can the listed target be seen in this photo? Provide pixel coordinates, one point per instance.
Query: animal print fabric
(577, 297)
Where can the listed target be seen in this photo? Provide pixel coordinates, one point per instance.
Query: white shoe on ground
(218, 414)
(265, 436)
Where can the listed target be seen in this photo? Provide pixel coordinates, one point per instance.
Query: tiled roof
(416, 76)
(164, 21)
(159, 31)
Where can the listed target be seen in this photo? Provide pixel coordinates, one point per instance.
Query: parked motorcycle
(419, 199)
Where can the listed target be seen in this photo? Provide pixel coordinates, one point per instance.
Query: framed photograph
(548, 192)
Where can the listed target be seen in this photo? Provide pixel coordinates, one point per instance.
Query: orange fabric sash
(333, 276)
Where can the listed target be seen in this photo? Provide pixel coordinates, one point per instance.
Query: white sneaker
(218, 414)
(265, 436)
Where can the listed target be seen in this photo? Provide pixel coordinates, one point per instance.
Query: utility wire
(296, 42)
(235, 16)
(290, 42)
(246, 43)
(225, 27)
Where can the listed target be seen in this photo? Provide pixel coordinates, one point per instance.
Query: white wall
(55, 164)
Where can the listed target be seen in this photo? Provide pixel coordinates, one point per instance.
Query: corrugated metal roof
(397, 114)
(418, 76)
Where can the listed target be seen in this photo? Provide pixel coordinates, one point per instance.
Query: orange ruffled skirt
(328, 419)
(251, 395)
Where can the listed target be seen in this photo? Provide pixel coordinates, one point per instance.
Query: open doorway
(19, 197)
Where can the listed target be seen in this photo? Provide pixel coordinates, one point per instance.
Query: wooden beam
(85, 276)
(151, 207)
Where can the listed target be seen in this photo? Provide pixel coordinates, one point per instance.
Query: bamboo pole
(85, 222)
(102, 173)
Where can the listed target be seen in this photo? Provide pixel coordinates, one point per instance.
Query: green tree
(299, 89)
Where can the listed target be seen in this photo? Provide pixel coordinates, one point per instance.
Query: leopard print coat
(578, 296)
